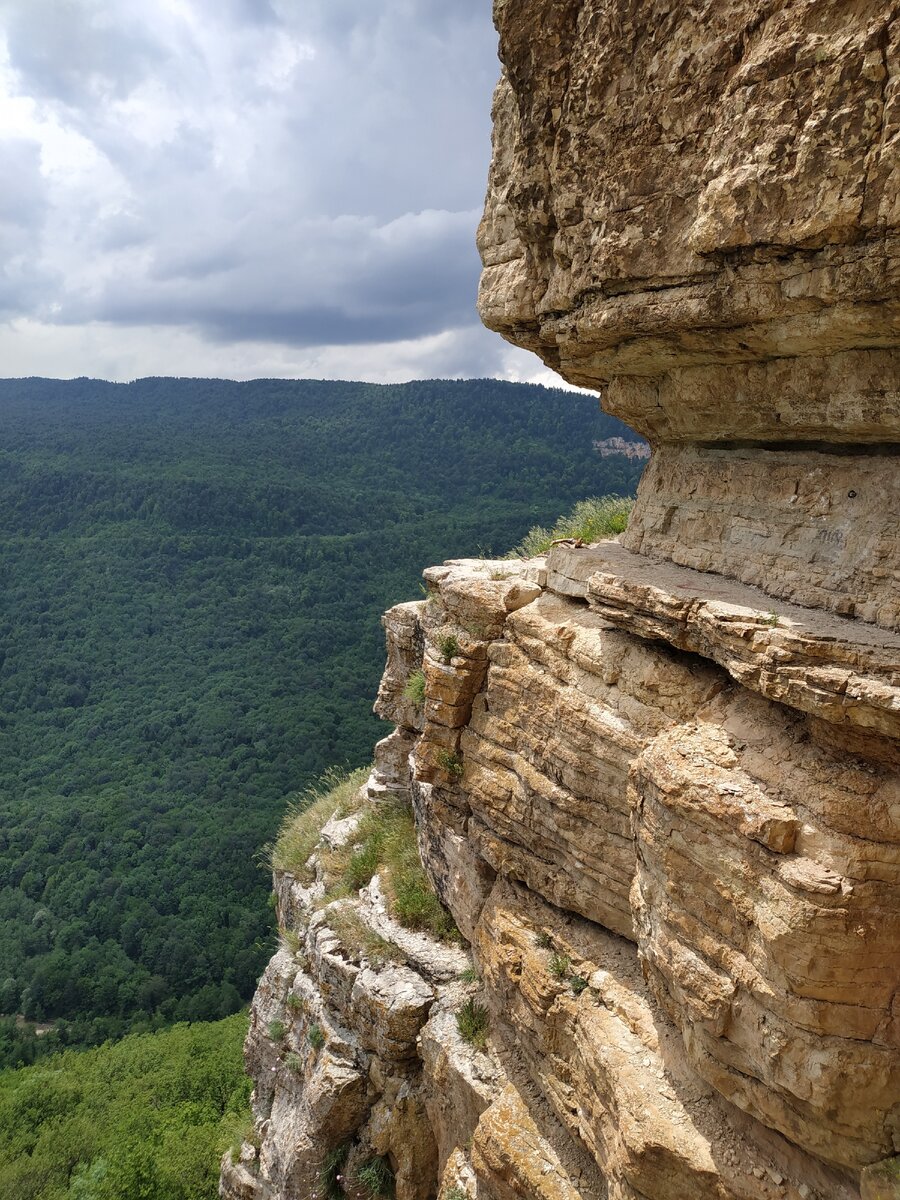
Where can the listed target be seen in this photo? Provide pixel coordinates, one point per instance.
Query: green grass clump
(316, 1037)
(237, 1129)
(448, 646)
(294, 1063)
(334, 794)
(377, 1178)
(297, 1004)
(472, 1023)
(414, 904)
(276, 1030)
(454, 1193)
(330, 1174)
(414, 690)
(577, 983)
(356, 934)
(591, 520)
(560, 966)
(385, 842)
(291, 939)
(469, 975)
(543, 940)
(451, 763)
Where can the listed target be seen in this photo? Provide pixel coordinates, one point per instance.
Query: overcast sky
(245, 188)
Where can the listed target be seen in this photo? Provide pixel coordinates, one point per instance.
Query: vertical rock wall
(694, 209)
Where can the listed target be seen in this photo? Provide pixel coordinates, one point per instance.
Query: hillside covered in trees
(193, 573)
(146, 1118)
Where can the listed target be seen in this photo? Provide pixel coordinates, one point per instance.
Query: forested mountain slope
(193, 573)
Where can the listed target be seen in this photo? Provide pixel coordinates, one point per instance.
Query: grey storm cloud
(304, 173)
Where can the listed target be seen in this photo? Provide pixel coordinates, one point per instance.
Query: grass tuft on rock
(559, 966)
(330, 1177)
(333, 795)
(591, 520)
(449, 647)
(414, 691)
(385, 843)
(356, 934)
(377, 1178)
(472, 1023)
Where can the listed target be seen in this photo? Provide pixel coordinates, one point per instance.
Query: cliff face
(656, 781)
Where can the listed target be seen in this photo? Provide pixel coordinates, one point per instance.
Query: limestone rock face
(682, 184)
(694, 207)
(656, 781)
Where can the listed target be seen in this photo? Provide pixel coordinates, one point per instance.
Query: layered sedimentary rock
(656, 781)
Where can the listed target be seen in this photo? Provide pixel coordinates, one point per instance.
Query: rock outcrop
(656, 781)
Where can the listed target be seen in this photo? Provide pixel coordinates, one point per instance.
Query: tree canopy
(193, 573)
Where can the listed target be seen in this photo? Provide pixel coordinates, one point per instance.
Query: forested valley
(193, 573)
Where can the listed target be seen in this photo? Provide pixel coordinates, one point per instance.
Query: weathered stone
(569, 704)
(406, 647)
(514, 1160)
(839, 670)
(613, 1068)
(768, 913)
(688, 184)
(462, 878)
(461, 1081)
(808, 527)
(391, 774)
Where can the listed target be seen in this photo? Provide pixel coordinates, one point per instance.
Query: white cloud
(112, 352)
(231, 175)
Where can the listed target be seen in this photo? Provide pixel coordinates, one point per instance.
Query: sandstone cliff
(656, 781)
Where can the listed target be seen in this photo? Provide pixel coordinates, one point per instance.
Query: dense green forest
(193, 573)
(146, 1118)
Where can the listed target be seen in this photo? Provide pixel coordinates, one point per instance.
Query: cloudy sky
(245, 188)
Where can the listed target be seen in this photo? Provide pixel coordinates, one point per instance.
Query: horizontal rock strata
(679, 897)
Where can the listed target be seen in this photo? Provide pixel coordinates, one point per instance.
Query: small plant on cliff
(415, 905)
(355, 934)
(469, 975)
(297, 1004)
(276, 1030)
(454, 1193)
(472, 1023)
(415, 688)
(451, 763)
(377, 1178)
(543, 940)
(559, 966)
(577, 983)
(294, 1063)
(316, 1037)
(385, 842)
(448, 646)
(331, 1174)
(590, 520)
(291, 939)
(238, 1128)
(334, 795)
